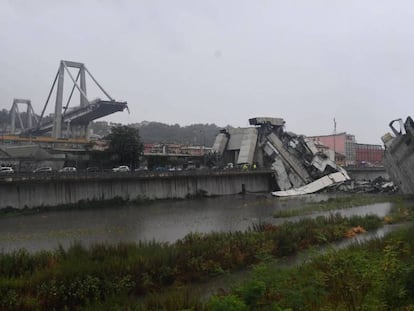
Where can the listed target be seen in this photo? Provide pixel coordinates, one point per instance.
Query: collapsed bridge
(298, 165)
(66, 121)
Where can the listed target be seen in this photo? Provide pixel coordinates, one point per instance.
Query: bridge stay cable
(47, 101)
(70, 95)
(80, 88)
(96, 82)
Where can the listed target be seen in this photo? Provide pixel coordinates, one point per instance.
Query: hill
(151, 132)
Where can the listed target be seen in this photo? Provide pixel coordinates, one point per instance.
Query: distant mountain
(195, 134)
(156, 132)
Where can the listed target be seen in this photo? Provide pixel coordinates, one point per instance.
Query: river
(164, 221)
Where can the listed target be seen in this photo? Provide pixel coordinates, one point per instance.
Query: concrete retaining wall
(53, 192)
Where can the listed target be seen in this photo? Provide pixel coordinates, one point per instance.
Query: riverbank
(84, 276)
(148, 220)
(349, 201)
(377, 275)
(73, 277)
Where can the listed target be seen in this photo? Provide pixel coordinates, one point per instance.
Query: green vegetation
(82, 204)
(402, 210)
(5, 118)
(95, 204)
(156, 132)
(125, 145)
(334, 204)
(82, 276)
(159, 276)
(197, 134)
(378, 275)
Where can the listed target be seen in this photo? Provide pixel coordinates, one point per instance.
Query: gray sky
(222, 61)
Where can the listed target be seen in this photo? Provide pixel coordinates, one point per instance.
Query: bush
(227, 303)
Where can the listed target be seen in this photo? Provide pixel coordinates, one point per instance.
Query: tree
(4, 118)
(125, 145)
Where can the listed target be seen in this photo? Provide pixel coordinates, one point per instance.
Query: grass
(402, 210)
(158, 276)
(377, 275)
(334, 204)
(83, 276)
(83, 204)
(93, 204)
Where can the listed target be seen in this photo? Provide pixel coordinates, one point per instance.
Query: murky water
(164, 221)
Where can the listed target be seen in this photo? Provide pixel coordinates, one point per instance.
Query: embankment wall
(32, 193)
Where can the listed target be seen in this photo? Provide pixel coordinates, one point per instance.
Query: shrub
(227, 303)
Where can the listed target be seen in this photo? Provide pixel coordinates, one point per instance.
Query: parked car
(141, 169)
(6, 170)
(93, 169)
(160, 169)
(68, 169)
(122, 168)
(44, 169)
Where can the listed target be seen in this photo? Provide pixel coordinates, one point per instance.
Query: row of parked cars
(66, 169)
(48, 169)
(44, 169)
(71, 169)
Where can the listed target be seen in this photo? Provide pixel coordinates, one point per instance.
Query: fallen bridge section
(298, 166)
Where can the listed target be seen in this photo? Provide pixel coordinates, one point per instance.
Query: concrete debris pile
(299, 167)
(378, 185)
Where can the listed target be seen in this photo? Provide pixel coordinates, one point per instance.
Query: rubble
(299, 167)
(378, 185)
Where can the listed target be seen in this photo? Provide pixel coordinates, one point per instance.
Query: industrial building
(341, 143)
(350, 153)
(369, 155)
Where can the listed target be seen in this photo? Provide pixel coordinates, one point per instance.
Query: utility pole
(334, 139)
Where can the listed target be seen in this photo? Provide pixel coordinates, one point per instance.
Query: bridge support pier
(14, 112)
(79, 131)
(57, 120)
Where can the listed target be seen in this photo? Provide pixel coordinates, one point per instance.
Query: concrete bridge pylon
(76, 119)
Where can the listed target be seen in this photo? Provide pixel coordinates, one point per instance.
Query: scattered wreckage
(378, 185)
(399, 154)
(298, 165)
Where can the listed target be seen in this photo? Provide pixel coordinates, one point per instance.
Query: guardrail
(365, 168)
(82, 175)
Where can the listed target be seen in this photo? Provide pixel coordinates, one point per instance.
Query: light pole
(334, 140)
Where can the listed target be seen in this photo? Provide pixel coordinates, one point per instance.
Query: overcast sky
(222, 61)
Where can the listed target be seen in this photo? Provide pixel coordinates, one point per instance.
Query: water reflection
(379, 209)
(164, 221)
